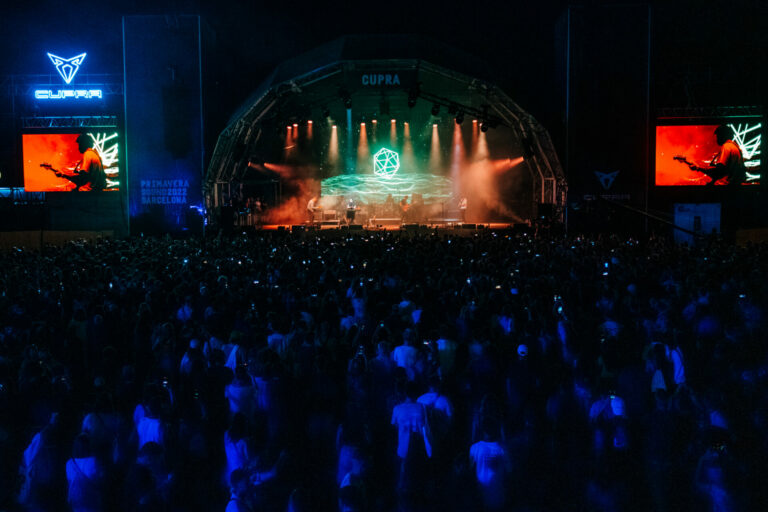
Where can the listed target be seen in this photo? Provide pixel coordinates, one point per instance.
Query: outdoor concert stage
(391, 124)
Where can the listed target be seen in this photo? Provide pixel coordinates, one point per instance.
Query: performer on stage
(463, 208)
(351, 211)
(389, 206)
(312, 207)
(255, 208)
(404, 206)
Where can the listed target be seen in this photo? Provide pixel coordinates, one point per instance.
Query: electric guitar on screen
(48, 166)
(79, 178)
(713, 172)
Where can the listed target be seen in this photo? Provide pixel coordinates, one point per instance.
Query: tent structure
(355, 79)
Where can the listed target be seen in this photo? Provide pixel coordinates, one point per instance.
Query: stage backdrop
(164, 128)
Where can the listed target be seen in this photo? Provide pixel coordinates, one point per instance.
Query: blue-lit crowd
(384, 371)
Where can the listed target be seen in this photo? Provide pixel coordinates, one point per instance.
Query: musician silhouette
(727, 163)
(312, 207)
(404, 206)
(89, 171)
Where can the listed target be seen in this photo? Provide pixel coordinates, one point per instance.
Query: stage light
(435, 110)
(363, 151)
(407, 153)
(309, 122)
(474, 121)
(393, 121)
(459, 118)
(333, 147)
(348, 103)
(483, 127)
(295, 125)
(458, 155)
(435, 163)
(374, 121)
(326, 112)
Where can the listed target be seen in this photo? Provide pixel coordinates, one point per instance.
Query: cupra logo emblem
(606, 178)
(67, 68)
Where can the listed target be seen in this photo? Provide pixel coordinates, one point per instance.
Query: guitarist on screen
(88, 173)
(727, 163)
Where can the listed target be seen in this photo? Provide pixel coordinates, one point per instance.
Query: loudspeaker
(163, 118)
(296, 228)
(606, 97)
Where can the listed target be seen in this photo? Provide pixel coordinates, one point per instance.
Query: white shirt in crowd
(410, 419)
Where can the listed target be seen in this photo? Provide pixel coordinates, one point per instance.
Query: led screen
(65, 162)
(679, 146)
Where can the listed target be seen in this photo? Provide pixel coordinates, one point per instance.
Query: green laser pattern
(374, 189)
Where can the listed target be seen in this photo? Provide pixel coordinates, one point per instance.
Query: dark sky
(703, 52)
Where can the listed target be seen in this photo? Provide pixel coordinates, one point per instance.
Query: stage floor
(441, 226)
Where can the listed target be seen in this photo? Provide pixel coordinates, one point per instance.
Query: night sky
(704, 53)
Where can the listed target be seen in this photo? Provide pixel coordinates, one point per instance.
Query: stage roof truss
(43, 122)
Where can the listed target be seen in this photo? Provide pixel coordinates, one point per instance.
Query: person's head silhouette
(723, 133)
(84, 142)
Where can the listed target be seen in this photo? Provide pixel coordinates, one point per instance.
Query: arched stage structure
(318, 123)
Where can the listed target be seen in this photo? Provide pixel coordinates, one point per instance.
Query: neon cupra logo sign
(67, 69)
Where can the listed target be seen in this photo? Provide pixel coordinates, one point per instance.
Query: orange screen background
(694, 142)
(57, 149)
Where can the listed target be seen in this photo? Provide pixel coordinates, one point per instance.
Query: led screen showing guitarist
(708, 154)
(727, 166)
(63, 162)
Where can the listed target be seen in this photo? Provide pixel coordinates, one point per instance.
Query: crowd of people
(383, 371)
